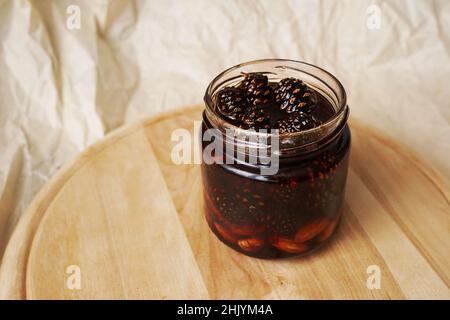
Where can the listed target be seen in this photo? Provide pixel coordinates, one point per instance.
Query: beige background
(61, 90)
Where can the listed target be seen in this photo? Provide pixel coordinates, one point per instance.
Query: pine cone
(256, 87)
(296, 122)
(231, 102)
(254, 118)
(294, 95)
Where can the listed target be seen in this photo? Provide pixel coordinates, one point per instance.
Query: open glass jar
(289, 211)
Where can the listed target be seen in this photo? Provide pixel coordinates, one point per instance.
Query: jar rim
(340, 116)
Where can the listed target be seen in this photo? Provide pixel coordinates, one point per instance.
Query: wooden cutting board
(130, 223)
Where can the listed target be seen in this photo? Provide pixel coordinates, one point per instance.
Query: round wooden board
(131, 220)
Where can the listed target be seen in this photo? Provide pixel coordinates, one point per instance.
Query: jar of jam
(290, 119)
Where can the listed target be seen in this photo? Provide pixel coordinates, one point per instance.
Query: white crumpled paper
(63, 87)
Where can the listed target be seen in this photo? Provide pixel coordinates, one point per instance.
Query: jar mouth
(317, 78)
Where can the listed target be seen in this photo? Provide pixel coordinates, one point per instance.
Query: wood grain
(402, 186)
(132, 220)
(115, 219)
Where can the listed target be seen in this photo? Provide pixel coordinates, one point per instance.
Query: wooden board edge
(14, 263)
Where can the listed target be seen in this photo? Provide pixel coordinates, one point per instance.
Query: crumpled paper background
(62, 89)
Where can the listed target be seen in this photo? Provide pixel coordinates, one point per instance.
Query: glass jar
(295, 208)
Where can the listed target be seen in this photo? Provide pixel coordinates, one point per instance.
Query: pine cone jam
(296, 208)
